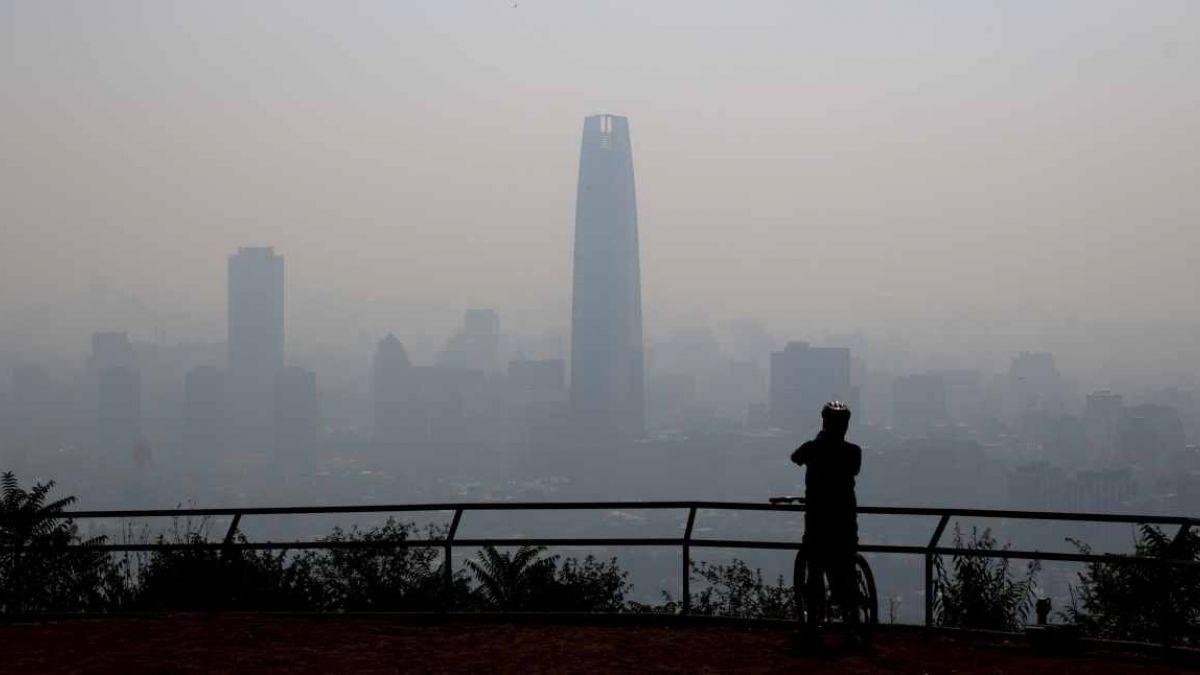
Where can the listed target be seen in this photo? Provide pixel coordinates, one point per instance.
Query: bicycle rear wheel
(799, 575)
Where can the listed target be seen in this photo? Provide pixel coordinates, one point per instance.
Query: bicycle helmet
(836, 411)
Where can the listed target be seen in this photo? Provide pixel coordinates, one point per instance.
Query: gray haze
(965, 178)
(266, 253)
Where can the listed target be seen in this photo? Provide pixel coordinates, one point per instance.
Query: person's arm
(798, 457)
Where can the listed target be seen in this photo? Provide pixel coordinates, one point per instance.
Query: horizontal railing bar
(632, 505)
(602, 542)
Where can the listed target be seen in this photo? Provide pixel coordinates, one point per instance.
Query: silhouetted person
(831, 516)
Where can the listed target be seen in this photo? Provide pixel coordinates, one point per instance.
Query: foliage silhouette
(1142, 601)
(528, 580)
(514, 581)
(46, 566)
(980, 592)
(382, 576)
(735, 590)
(199, 578)
(38, 573)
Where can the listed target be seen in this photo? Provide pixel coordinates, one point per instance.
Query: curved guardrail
(686, 541)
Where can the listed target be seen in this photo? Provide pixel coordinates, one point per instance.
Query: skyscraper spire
(607, 370)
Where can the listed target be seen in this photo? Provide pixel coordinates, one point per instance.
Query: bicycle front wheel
(868, 599)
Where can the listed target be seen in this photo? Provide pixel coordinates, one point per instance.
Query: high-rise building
(1035, 385)
(110, 350)
(477, 345)
(536, 402)
(118, 394)
(607, 390)
(918, 403)
(203, 416)
(545, 377)
(255, 310)
(398, 413)
(803, 379)
(296, 413)
(255, 344)
(119, 413)
(36, 409)
(1102, 419)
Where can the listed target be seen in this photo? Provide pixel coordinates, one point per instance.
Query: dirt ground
(261, 643)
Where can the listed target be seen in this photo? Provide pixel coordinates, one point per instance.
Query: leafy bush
(591, 585)
(195, 577)
(381, 576)
(46, 566)
(37, 572)
(735, 590)
(980, 592)
(527, 580)
(1133, 601)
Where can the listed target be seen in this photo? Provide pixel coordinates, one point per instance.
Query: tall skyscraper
(607, 368)
(255, 344)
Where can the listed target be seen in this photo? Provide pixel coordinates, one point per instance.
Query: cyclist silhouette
(831, 517)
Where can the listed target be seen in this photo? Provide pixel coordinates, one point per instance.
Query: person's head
(835, 418)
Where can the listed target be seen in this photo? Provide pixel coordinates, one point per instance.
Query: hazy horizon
(967, 178)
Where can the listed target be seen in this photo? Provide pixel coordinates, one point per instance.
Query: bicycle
(868, 599)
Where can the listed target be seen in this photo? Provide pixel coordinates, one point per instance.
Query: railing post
(1166, 617)
(227, 543)
(448, 578)
(687, 562)
(933, 542)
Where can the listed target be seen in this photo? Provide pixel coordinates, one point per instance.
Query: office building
(803, 379)
(204, 416)
(398, 416)
(296, 413)
(119, 412)
(476, 346)
(919, 404)
(256, 296)
(607, 390)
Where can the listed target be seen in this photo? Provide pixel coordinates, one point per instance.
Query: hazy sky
(886, 165)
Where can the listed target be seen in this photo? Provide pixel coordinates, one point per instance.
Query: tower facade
(255, 311)
(607, 368)
(255, 344)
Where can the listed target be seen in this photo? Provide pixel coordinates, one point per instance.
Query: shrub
(380, 576)
(38, 573)
(1133, 601)
(980, 592)
(735, 590)
(196, 577)
(527, 580)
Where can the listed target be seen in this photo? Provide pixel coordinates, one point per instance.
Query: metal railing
(686, 542)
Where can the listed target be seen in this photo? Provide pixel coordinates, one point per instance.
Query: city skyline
(362, 308)
(960, 146)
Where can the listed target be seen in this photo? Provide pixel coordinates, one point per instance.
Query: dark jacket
(831, 463)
